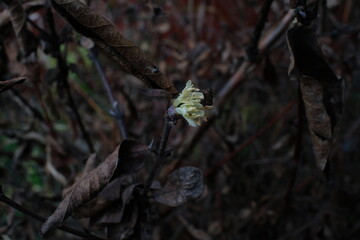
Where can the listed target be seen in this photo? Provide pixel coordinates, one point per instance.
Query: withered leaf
(125, 229)
(155, 93)
(108, 37)
(128, 157)
(83, 191)
(184, 184)
(110, 194)
(6, 85)
(322, 91)
(90, 165)
(132, 156)
(115, 214)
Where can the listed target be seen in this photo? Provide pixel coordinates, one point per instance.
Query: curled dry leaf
(89, 166)
(115, 213)
(108, 196)
(6, 85)
(83, 191)
(128, 157)
(108, 37)
(182, 185)
(125, 228)
(132, 156)
(155, 93)
(322, 91)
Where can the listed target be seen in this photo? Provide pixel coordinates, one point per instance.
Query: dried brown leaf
(108, 196)
(115, 214)
(124, 229)
(6, 85)
(155, 93)
(108, 37)
(129, 157)
(319, 120)
(85, 190)
(132, 156)
(321, 90)
(89, 166)
(182, 185)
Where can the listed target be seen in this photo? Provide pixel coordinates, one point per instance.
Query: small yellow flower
(188, 104)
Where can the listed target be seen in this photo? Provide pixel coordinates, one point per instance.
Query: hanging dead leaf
(155, 93)
(321, 90)
(115, 214)
(132, 156)
(89, 166)
(108, 196)
(6, 85)
(129, 157)
(182, 185)
(83, 191)
(124, 229)
(108, 37)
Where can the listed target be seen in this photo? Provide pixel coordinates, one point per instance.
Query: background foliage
(250, 197)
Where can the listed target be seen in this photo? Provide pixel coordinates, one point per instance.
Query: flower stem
(168, 123)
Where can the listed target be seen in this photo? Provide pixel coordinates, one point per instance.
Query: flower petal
(188, 104)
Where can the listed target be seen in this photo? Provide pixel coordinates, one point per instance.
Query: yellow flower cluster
(188, 104)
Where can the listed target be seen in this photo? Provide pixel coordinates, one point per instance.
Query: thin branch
(118, 115)
(251, 139)
(253, 50)
(63, 76)
(168, 123)
(34, 111)
(18, 207)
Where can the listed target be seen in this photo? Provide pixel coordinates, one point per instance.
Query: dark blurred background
(262, 192)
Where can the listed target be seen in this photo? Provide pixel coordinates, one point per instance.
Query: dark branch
(161, 156)
(118, 115)
(15, 205)
(63, 77)
(253, 50)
